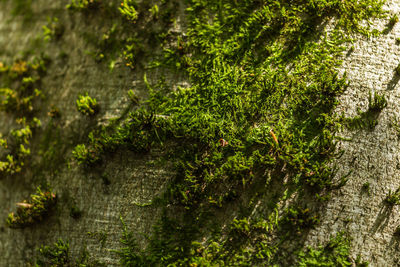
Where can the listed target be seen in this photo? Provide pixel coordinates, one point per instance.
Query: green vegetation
(87, 105)
(256, 125)
(82, 4)
(367, 119)
(17, 147)
(133, 97)
(128, 10)
(58, 255)
(301, 219)
(392, 21)
(52, 30)
(20, 97)
(335, 253)
(264, 85)
(393, 198)
(24, 77)
(366, 187)
(33, 211)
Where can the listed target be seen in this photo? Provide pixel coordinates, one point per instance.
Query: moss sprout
(82, 4)
(366, 187)
(87, 105)
(32, 211)
(128, 10)
(133, 97)
(367, 119)
(335, 253)
(58, 255)
(393, 198)
(392, 21)
(53, 30)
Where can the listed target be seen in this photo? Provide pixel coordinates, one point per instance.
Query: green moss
(59, 255)
(392, 21)
(128, 10)
(32, 211)
(393, 198)
(366, 187)
(263, 88)
(300, 219)
(18, 147)
(53, 30)
(367, 119)
(24, 77)
(259, 111)
(20, 96)
(335, 253)
(87, 105)
(82, 4)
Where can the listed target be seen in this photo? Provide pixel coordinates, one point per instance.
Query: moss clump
(335, 253)
(300, 219)
(53, 30)
(18, 147)
(393, 198)
(59, 255)
(397, 70)
(128, 10)
(19, 83)
(367, 119)
(32, 211)
(56, 255)
(19, 97)
(82, 4)
(87, 105)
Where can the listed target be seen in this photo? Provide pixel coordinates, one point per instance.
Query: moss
(335, 253)
(397, 70)
(300, 219)
(367, 119)
(87, 105)
(18, 146)
(128, 10)
(392, 21)
(393, 198)
(20, 97)
(263, 87)
(58, 254)
(33, 211)
(53, 30)
(366, 187)
(82, 4)
(262, 92)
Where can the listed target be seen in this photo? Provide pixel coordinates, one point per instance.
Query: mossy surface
(254, 124)
(264, 84)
